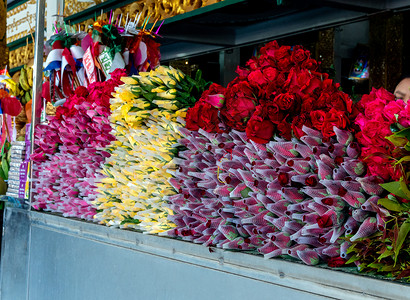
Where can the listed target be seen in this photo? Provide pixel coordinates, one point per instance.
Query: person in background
(402, 90)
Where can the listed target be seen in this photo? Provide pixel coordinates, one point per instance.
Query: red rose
(299, 54)
(202, 115)
(256, 78)
(328, 86)
(253, 63)
(334, 118)
(273, 112)
(215, 88)
(242, 72)
(81, 91)
(324, 221)
(375, 108)
(335, 262)
(271, 46)
(298, 123)
(307, 104)
(341, 101)
(368, 98)
(258, 129)
(284, 64)
(286, 101)
(285, 130)
(374, 133)
(282, 53)
(270, 73)
(307, 81)
(317, 117)
(310, 64)
(383, 94)
(311, 181)
(239, 106)
(404, 116)
(392, 109)
(266, 61)
(322, 101)
(283, 178)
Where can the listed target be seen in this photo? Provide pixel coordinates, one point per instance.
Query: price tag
(89, 66)
(105, 61)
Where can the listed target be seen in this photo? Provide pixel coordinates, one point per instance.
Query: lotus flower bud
(308, 256)
(344, 137)
(367, 228)
(371, 204)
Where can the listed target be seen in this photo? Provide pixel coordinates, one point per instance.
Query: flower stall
(277, 182)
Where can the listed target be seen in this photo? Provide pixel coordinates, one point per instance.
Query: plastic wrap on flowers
(146, 113)
(284, 198)
(276, 168)
(69, 151)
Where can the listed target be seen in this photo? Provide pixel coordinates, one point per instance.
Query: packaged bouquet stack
(68, 152)
(82, 71)
(146, 112)
(272, 165)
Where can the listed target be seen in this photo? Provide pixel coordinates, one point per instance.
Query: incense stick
(156, 32)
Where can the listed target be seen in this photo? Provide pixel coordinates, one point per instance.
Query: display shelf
(75, 258)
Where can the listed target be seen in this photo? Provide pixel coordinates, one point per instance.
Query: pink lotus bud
(216, 100)
(308, 256)
(359, 215)
(367, 228)
(303, 150)
(293, 250)
(344, 137)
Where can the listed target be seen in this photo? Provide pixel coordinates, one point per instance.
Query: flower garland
(146, 113)
(68, 152)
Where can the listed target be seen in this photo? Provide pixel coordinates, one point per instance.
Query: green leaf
(395, 188)
(5, 167)
(404, 230)
(397, 141)
(375, 265)
(353, 259)
(391, 204)
(198, 75)
(403, 133)
(404, 188)
(385, 254)
(405, 158)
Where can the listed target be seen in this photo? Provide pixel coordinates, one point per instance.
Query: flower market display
(275, 167)
(146, 112)
(280, 162)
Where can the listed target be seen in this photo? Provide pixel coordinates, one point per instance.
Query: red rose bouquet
(385, 141)
(282, 89)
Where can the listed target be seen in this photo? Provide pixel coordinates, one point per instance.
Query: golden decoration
(156, 9)
(21, 56)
